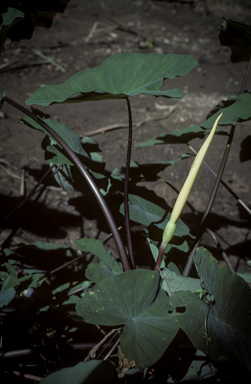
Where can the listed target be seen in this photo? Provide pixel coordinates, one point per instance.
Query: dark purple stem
(126, 201)
(84, 172)
(160, 256)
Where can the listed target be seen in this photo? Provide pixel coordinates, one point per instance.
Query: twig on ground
(27, 376)
(49, 60)
(112, 349)
(22, 183)
(225, 185)
(9, 64)
(134, 31)
(95, 32)
(224, 255)
(4, 163)
(92, 31)
(92, 353)
(100, 329)
(136, 125)
(22, 66)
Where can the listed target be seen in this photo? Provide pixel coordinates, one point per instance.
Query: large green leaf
(88, 372)
(236, 36)
(226, 321)
(128, 299)
(145, 172)
(237, 112)
(119, 76)
(107, 265)
(145, 212)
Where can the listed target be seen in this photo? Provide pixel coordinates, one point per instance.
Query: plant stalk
(225, 185)
(160, 256)
(84, 172)
(189, 263)
(126, 186)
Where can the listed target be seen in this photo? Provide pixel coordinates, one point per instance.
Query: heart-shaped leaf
(119, 76)
(222, 327)
(128, 299)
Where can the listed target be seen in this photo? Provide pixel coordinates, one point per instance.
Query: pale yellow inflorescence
(183, 195)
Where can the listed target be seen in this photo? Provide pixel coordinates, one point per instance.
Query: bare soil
(178, 27)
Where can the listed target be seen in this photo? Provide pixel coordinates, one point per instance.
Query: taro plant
(156, 312)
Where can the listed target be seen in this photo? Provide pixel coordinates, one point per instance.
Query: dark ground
(174, 27)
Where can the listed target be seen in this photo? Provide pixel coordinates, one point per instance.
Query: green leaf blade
(146, 337)
(107, 265)
(238, 112)
(145, 212)
(11, 15)
(128, 299)
(227, 319)
(119, 76)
